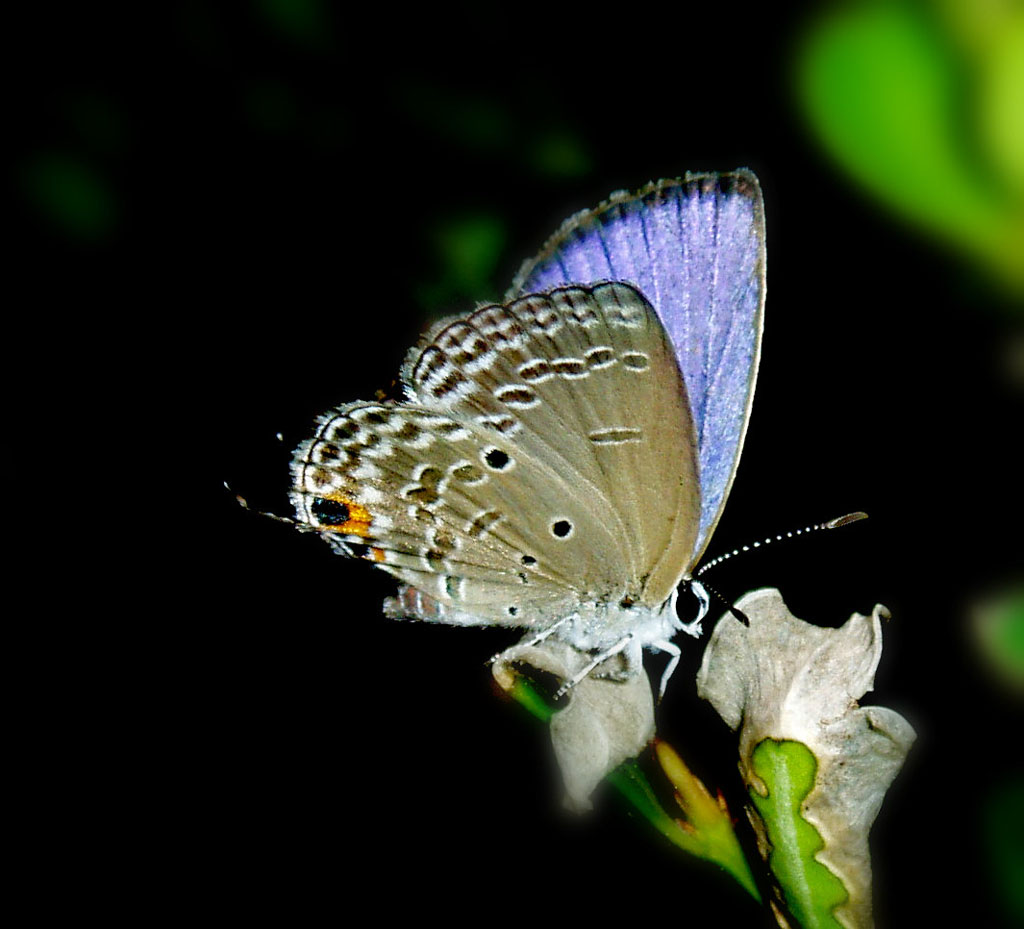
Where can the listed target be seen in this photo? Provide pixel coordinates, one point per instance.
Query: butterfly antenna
(727, 603)
(831, 524)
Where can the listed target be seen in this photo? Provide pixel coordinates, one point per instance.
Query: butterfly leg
(599, 659)
(539, 637)
(676, 653)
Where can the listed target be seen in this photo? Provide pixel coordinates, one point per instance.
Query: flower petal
(786, 681)
(605, 721)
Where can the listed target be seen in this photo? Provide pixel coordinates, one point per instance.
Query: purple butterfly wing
(695, 248)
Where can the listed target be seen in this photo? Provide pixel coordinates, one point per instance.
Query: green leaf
(706, 832)
(787, 770)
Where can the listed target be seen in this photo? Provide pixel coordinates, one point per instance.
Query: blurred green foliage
(460, 115)
(923, 106)
(305, 22)
(467, 251)
(71, 195)
(559, 153)
(1003, 824)
(999, 632)
(270, 105)
(97, 122)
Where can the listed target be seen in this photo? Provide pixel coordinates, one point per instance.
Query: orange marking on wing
(375, 554)
(359, 517)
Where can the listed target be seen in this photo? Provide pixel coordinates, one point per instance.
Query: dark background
(266, 207)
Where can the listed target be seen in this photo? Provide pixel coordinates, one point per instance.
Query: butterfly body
(544, 470)
(589, 625)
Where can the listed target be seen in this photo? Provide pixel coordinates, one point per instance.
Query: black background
(243, 733)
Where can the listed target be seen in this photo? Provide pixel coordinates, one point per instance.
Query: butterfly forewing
(546, 457)
(696, 249)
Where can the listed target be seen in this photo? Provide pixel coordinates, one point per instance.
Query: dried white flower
(784, 679)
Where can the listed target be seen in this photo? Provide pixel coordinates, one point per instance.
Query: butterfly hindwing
(545, 456)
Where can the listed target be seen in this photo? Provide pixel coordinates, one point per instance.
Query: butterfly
(560, 460)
